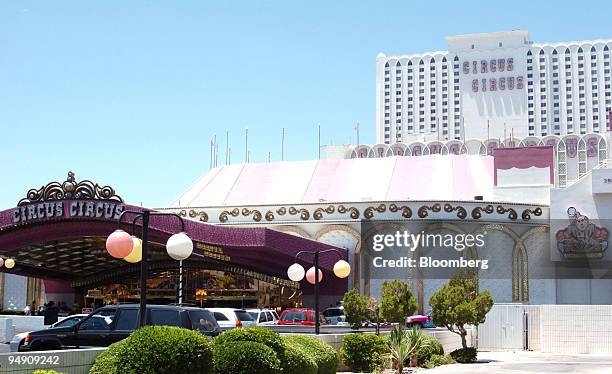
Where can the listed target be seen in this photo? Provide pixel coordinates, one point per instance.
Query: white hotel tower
(493, 85)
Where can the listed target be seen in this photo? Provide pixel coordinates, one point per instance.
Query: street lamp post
(295, 272)
(122, 245)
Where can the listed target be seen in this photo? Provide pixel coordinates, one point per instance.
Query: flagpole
(227, 148)
(283, 146)
(505, 145)
(246, 145)
(319, 141)
(488, 131)
(438, 127)
(357, 134)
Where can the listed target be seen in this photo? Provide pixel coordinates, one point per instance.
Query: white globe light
(9, 263)
(342, 269)
(179, 246)
(296, 272)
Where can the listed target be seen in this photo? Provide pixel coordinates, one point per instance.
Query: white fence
(567, 329)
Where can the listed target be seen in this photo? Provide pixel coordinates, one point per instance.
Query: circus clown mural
(581, 238)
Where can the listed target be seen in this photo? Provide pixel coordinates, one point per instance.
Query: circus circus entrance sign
(69, 199)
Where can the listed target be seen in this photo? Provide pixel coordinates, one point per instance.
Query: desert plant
(438, 360)
(404, 345)
(464, 355)
(363, 352)
(458, 303)
(396, 301)
(245, 357)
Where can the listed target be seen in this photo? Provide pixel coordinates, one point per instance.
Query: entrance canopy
(59, 232)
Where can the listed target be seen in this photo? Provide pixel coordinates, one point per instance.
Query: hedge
(245, 357)
(363, 352)
(157, 350)
(324, 355)
(464, 355)
(261, 335)
(438, 360)
(298, 360)
(430, 346)
(106, 362)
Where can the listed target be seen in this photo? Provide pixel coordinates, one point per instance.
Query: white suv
(264, 316)
(230, 317)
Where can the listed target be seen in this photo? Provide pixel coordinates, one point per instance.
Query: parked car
(335, 315)
(19, 339)
(112, 323)
(300, 317)
(264, 316)
(422, 320)
(230, 317)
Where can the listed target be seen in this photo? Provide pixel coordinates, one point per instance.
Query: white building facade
(494, 85)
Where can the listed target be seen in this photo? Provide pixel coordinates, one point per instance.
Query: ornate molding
(406, 211)
(353, 212)
(368, 213)
(255, 213)
(202, 214)
(423, 210)
(476, 212)
(461, 212)
(318, 213)
(511, 212)
(224, 215)
(526, 215)
(70, 189)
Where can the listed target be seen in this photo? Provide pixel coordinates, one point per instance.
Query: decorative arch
(356, 271)
(520, 281)
(293, 230)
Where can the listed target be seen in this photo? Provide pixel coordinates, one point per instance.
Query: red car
(300, 317)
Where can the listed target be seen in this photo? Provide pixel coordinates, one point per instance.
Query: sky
(130, 93)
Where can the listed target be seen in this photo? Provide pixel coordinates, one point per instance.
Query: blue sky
(129, 93)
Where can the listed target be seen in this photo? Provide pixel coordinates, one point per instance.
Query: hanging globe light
(9, 263)
(310, 275)
(342, 269)
(1, 262)
(136, 253)
(295, 272)
(119, 244)
(179, 246)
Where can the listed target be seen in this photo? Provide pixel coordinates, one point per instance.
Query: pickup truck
(112, 323)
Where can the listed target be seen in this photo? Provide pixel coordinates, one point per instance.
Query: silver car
(72, 320)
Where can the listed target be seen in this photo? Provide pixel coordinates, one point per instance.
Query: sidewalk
(530, 363)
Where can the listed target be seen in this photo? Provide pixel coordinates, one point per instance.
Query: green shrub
(464, 355)
(106, 362)
(43, 371)
(363, 352)
(167, 350)
(298, 360)
(430, 346)
(438, 360)
(245, 357)
(322, 353)
(261, 335)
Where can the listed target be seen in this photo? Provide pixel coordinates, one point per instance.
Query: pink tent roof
(439, 177)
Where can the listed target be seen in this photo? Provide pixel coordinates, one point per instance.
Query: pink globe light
(119, 244)
(1, 262)
(310, 275)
